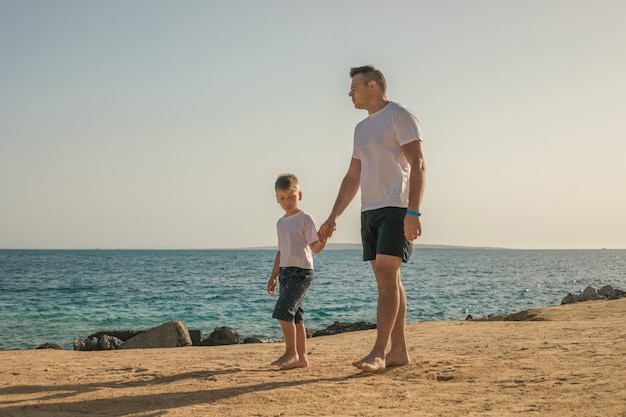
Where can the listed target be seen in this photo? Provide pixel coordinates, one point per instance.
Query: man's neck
(377, 106)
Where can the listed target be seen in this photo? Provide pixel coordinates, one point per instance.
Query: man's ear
(299, 195)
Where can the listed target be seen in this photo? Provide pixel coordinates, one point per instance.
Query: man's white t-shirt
(384, 169)
(295, 234)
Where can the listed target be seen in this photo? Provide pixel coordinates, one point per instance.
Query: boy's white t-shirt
(384, 169)
(295, 234)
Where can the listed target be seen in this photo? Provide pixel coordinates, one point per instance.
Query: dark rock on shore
(196, 336)
(222, 336)
(168, 335)
(123, 335)
(103, 342)
(520, 316)
(344, 327)
(49, 346)
(607, 292)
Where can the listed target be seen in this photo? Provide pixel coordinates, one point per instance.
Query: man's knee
(387, 267)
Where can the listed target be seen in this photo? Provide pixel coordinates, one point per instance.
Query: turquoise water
(56, 295)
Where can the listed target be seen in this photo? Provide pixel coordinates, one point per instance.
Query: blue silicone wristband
(413, 213)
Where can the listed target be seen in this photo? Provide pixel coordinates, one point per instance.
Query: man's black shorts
(382, 232)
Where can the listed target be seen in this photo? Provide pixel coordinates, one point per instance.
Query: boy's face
(288, 199)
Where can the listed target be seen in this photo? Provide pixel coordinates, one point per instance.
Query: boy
(297, 238)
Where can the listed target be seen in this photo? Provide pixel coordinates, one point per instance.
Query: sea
(53, 296)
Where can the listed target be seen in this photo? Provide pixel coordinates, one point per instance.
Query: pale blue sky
(161, 124)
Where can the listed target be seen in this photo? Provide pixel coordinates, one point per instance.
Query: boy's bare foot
(297, 363)
(371, 363)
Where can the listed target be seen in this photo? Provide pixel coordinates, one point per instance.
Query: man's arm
(349, 187)
(414, 154)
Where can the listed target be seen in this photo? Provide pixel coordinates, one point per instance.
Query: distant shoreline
(330, 246)
(354, 246)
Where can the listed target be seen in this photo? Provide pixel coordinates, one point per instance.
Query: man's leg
(391, 302)
(399, 354)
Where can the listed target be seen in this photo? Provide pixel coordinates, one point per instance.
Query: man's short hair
(370, 73)
(286, 182)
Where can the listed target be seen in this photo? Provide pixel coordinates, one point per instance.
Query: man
(388, 165)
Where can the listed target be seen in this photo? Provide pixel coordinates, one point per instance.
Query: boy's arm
(273, 280)
(318, 246)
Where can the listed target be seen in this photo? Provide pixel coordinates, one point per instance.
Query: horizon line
(330, 246)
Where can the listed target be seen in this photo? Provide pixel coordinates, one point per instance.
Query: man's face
(359, 92)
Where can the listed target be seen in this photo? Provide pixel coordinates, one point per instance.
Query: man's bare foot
(371, 363)
(297, 363)
(397, 359)
(284, 359)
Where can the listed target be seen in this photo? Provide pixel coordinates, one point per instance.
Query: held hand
(326, 230)
(322, 234)
(271, 285)
(412, 228)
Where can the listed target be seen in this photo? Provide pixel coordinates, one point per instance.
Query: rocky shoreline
(175, 334)
(588, 294)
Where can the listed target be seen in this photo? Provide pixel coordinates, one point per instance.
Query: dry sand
(563, 361)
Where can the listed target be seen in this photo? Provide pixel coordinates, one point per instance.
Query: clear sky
(162, 124)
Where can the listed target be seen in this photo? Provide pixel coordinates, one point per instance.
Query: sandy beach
(559, 361)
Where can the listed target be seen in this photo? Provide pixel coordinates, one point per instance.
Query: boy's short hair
(286, 182)
(370, 73)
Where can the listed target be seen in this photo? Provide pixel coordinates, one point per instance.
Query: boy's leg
(301, 345)
(301, 360)
(289, 335)
(289, 313)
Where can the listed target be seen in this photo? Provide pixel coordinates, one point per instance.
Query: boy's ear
(299, 195)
